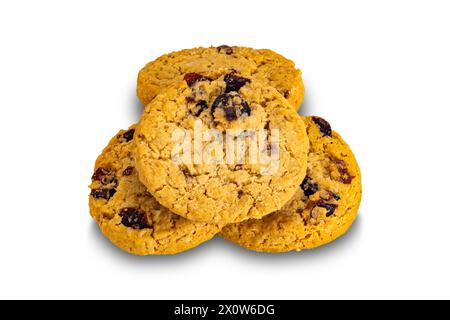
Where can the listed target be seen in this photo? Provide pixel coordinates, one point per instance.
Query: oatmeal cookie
(265, 65)
(236, 107)
(324, 207)
(130, 216)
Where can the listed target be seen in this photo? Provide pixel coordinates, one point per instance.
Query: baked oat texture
(221, 193)
(265, 65)
(324, 207)
(128, 215)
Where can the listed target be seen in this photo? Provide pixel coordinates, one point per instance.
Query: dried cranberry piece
(246, 108)
(329, 195)
(103, 193)
(193, 78)
(232, 110)
(331, 208)
(128, 171)
(134, 218)
(220, 101)
(230, 113)
(105, 176)
(346, 177)
(202, 105)
(99, 174)
(225, 49)
(187, 173)
(128, 136)
(324, 126)
(190, 99)
(234, 82)
(309, 187)
(336, 196)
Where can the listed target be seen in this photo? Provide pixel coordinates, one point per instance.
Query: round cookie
(128, 215)
(221, 190)
(265, 65)
(322, 210)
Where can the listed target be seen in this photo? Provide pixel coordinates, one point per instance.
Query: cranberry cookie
(128, 215)
(229, 109)
(324, 207)
(265, 65)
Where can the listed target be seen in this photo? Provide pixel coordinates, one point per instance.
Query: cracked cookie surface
(324, 207)
(221, 192)
(265, 65)
(130, 216)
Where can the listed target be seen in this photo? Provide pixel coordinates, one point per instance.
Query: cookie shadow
(107, 249)
(323, 252)
(134, 107)
(306, 108)
(210, 248)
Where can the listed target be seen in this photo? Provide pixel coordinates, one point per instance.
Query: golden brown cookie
(234, 108)
(265, 65)
(324, 207)
(128, 215)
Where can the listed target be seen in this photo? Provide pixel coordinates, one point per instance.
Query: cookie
(264, 65)
(214, 182)
(128, 215)
(324, 207)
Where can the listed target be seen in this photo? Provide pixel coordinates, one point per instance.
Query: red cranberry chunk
(324, 126)
(105, 176)
(331, 208)
(187, 173)
(309, 187)
(230, 113)
(220, 102)
(134, 218)
(232, 110)
(128, 171)
(336, 196)
(128, 135)
(234, 82)
(225, 49)
(103, 193)
(190, 99)
(193, 78)
(201, 106)
(346, 177)
(246, 108)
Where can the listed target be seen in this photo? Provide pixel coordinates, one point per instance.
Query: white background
(377, 70)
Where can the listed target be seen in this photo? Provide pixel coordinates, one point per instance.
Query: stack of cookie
(221, 149)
